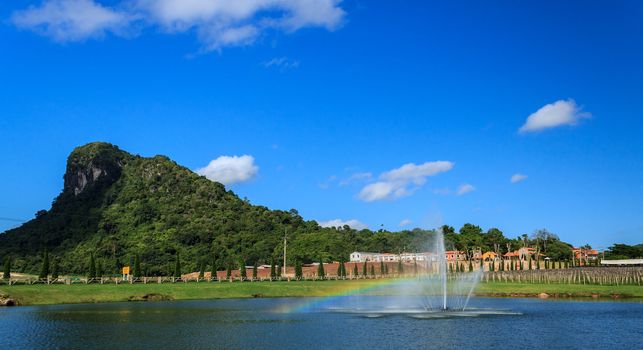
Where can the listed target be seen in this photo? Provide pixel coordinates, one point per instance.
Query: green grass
(95, 293)
(571, 290)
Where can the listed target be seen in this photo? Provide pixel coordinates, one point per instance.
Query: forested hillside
(115, 205)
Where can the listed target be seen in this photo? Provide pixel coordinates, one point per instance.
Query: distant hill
(114, 205)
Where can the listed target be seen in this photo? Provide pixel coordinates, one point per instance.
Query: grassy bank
(95, 293)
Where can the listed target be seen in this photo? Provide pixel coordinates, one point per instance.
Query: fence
(585, 275)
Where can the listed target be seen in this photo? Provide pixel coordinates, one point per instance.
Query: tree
(254, 271)
(372, 270)
(492, 266)
(7, 268)
(320, 269)
(54, 269)
(339, 269)
(228, 271)
(298, 272)
(273, 273)
(470, 265)
(280, 268)
(44, 270)
(400, 267)
(242, 269)
(177, 266)
(92, 267)
(213, 266)
(355, 272)
(99, 269)
(364, 267)
(201, 270)
(544, 238)
(529, 263)
(382, 268)
(624, 251)
(137, 267)
(386, 269)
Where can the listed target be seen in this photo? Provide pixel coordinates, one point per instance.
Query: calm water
(307, 323)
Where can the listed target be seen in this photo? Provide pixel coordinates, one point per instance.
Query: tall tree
(137, 267)
(273, 273)
(320, 269)
(202, 270)
(54, 269)
(228, 271)
(7, 268)
(355, 272)
(213, 266)
(254, 271)
(242, 269)
(92, 267)
(382, 272)
(177, 266)
(298, 272)
(99, 269)
(372, 270)
(364, 269)
(44, 270)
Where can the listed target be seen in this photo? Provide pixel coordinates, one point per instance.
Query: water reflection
(255, 324)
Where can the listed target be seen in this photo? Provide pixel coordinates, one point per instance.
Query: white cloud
(518, 177)
(356, 177)
(230, 170)
(326, 184)
(281, 63)
(405, 222)
(553, 115)
(402, 181)
(71, 20)
(465, 188)
(217, 23)
(356, 224)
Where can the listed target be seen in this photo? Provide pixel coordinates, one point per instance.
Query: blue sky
(330, 100)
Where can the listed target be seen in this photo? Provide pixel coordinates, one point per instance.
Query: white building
(387, 257)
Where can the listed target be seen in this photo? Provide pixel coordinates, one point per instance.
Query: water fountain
(435, 292)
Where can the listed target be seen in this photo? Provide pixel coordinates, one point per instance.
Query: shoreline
(29, 295)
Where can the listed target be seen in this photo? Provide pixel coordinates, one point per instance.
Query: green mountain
(115, 205)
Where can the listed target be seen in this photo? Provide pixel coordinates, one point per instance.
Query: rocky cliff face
(93, 164)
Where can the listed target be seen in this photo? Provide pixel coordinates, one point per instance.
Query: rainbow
(340, 293)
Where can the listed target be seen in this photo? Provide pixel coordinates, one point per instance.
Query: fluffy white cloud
(465, 188)
(518, 177)
(230, 170)
(402, 181)
(356, 224)
(218, 23)
(553, 115)
(405, 222)
(71, 20)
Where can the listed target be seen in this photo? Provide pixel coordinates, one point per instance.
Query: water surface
(310, 323)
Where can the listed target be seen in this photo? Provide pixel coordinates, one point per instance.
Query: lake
(312, 323)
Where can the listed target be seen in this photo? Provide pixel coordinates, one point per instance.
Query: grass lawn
(94, 293)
